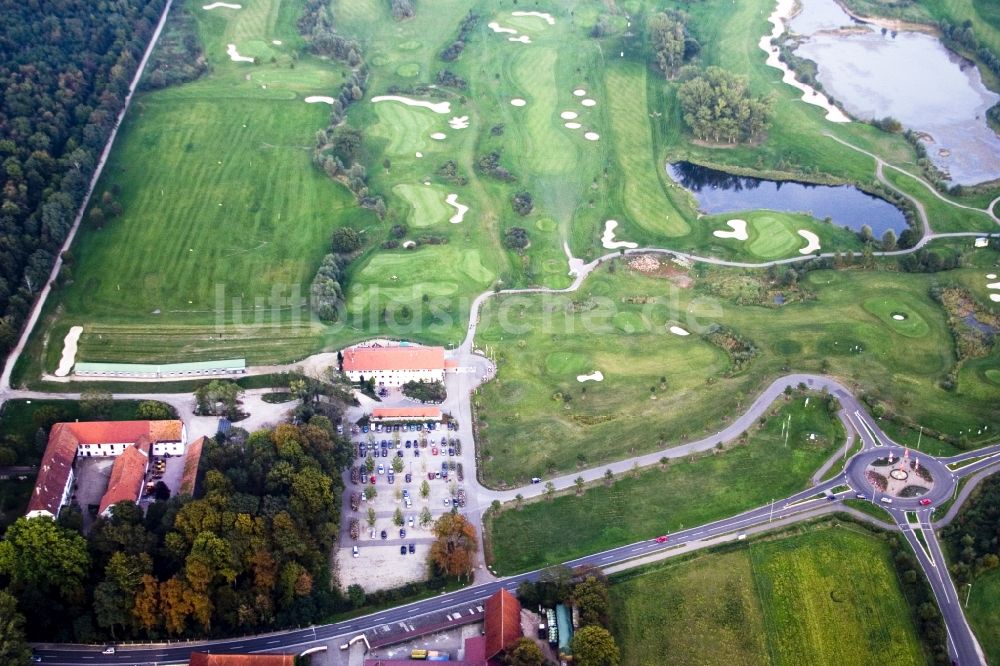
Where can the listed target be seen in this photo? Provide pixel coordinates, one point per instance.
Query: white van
(886, 500)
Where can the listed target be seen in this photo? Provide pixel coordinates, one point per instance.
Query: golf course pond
(845, 205)
(950, 114)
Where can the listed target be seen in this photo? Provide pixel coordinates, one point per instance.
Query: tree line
(718, 106)
(65, 67)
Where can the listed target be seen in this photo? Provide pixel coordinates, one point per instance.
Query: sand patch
(995, 298)
(452, 200)
(981, 242)
(439, 136)
(276, 42)
(223, 5)
(542, 15)
(517, 101)
(409, 245)
(596, 376)
(314, 99)
(568, 115)
(588, 102)
(69, 351)
(235, 56)
(458, 122)
(523, 39)
(739, 230)
(608, 239)
(436, 107)
(993, 285)
(991, 276)
(418, 154)
(677, 330)
(572, 125)
(809, 94)
(580, 92)
(591, 136)
(496, 27)
(899, 317)
(812, 242)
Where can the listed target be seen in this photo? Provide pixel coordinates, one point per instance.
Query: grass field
(688, 492)
(825, 596)
(540, 419)
(983, 612)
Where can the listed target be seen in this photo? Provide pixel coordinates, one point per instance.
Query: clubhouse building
(394, 366)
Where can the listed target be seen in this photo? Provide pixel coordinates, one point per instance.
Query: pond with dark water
(847, 206)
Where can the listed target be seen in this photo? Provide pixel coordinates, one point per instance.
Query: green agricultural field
(826, 596)
(688, 492)
(984, 612)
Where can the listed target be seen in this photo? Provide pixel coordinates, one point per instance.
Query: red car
(662, 539)
(373, 480)
(434, 451)
(924, 502)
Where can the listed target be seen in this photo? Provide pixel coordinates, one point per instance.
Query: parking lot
(421, 457)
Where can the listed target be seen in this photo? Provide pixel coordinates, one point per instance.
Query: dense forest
(65, 66)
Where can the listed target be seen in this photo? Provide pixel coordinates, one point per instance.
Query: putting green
(428, 203)
(770, 237)
(884, 308)
(567, 363)
(406, 128)
(630, 323)
(408, 70)
(546, 224)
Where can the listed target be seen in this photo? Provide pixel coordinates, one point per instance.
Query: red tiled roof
(371, 359)
(64, 438)
(450, 363)
(503, 622)
(203, 659)
(127, 475)
(192, 458)
(406, 412)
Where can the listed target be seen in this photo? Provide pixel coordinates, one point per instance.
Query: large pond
(910, 76)
(847, 206)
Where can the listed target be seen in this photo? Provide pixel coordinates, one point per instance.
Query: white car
(410, 521)
(356, 552)
(381, 469)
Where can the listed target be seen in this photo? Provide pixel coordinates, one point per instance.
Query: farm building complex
(130, 442)
(394, 366)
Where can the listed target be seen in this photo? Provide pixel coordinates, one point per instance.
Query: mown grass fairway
(686, 492)
(827, 596)
(541, 419)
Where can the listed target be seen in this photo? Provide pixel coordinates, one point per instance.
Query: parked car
(402, 550)
(399, 454)
(392, 478)
(373, 533)
(410, 522)
(364, 428)
(416, 453)
(385, 535)
(430, 476)
(408, 478)
(447, 501)
(373, 479)
(356, 552)
(535, 479)
(406, 493)
(412, 548)
(434, 451)
(402, 533)
(451, 451)
(408, 444)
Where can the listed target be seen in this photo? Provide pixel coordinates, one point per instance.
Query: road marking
(273, 642)
(606, 558)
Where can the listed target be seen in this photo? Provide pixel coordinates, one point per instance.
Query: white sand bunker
(517, 101)
(235, 56)
(452, 200)
(458, 122)
(809, 94)
(596, 376)
(568, 115)
(739, 230)
(993, 285)
(436, 107)
(588, 102)
(995, 298)
(542, 15)
(991, 276)
(276, 42)
(899, 317)
(591, 136)
(981, 242)
(812, 242)
(572, 125)
(418, 154)
(677, 330)
(608, 239)
(580, 92)
(524, 39)
(496, 27)
(223, 5)
(439, 136)
(69, 351)
(314, 99)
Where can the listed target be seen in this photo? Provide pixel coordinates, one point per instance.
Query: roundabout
(908, 479)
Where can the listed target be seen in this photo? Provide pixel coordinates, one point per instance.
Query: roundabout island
(895, 475)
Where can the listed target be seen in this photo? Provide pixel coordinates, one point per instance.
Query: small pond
(847, 206)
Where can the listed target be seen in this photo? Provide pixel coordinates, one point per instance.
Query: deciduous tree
(595, 646)
(454, 550)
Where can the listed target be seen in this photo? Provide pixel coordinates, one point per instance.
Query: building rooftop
(127, 475)
(204, 659)
(503, 622)
(375, 359)
(192, 458)
(83, 367)
(406, 413)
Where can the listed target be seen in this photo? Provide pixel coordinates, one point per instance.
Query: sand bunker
(809, 94)
(608, 239)
(542, 15)
(812, 242)
(418, 154)
(677, 330)
(739, 230)
(981, 242)
(313, 99)
(899, 317)
(276, 42)
(517, 101)
(458, 122)
(995, 298)
(572, 125)
(591, 136)
(436, 107)
(524, 39)
(993, 285)
(588, 102)
(580, 92)
(234, 54)
(69, 351)
(596, 376)
(439, 136)
(224, 5)
(496, 27)
(991, 276)
(568, 115)
(452, 200)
